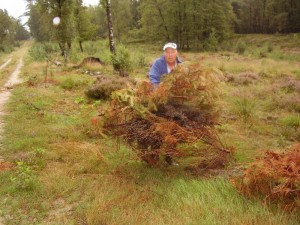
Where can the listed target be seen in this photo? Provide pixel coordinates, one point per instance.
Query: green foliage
(291, 121)
(241, 47)
(140, 60)
(74, 21)
(291, 127)
(11, 32)
(269, 16)
(270, 47)
(122, 60)
(70, 83)
(211, 43)
(24, 177)
(186, 22)
(85, 29)
(42, 51)
(79, 100)
(91, 48)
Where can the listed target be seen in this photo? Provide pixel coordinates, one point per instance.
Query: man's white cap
(170, 45)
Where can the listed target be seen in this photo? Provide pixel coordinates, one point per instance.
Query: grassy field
(66, 173)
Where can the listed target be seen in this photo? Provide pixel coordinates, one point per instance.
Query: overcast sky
(16, 8)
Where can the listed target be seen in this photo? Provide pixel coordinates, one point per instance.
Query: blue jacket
(159, 68)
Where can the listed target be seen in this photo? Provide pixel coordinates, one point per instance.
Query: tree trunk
(110, 28)
(80, 45)
(63, 51)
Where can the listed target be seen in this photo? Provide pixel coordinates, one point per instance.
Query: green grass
(81, 178)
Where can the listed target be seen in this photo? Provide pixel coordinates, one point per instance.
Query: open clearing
(66, 173)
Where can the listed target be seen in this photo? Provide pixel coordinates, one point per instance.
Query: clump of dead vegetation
(157, 122)
(289, 84)
(275, 177)
(244, 78)
(5, 166)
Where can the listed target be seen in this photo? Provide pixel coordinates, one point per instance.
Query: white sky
(17, 8)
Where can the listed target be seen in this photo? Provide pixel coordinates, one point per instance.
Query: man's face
(170, 55)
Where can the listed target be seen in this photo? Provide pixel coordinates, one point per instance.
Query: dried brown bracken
(275, 177)
(181, 110)
(6, 166)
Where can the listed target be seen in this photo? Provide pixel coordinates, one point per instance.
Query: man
(165, 64)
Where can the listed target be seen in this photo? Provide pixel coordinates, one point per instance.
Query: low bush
(289, 84)
(241, 47)
(289, 102)
(270, 47)
(122, 61)
(24, 177)
(140, 60)
(73, 82)
(244, 78)
(105, 85)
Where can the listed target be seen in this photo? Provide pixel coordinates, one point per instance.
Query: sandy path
(4, 96)
(6, 91)
(5, 64)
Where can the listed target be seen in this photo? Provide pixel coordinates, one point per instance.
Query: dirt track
(6, 89)
(5, 93)
(5, 64)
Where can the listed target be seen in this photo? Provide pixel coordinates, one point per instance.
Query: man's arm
(154, 74)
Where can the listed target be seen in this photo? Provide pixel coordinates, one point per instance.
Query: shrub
(122, 61)
(70, 83)
(24, 177)
(105, 85)
(140, 60)
(41, 51)
(241, 47)
(244, 78)
(270, 47)
(290, 84)
(289, 102)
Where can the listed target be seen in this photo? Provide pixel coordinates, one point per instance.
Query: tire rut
(5, 92)
(5, 64)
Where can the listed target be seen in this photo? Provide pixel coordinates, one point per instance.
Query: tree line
(267, 16)
(11, 32)
(197, 24)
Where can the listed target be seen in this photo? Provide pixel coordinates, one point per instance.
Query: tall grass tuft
(244, 108)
